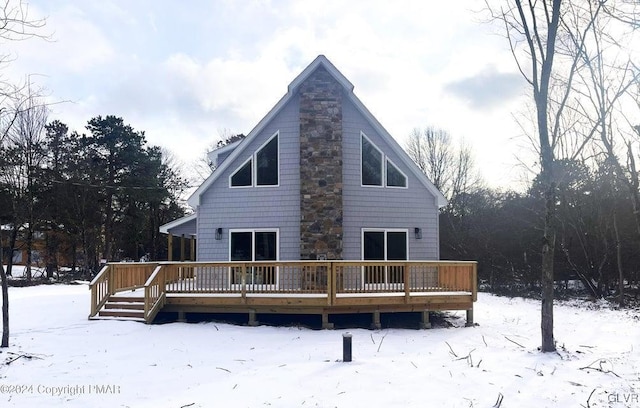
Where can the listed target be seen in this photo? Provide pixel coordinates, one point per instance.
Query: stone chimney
(320, 167)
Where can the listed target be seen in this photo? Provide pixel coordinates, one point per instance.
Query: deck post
(169, 247)
(326, 325)
(111, 280)
(407, 284)
(243, 282)
(333, 285)
(252, 318)
(469, 318)
(375, 323)
(182, 248)
(182, 316)
(192, 255)
(425, 322)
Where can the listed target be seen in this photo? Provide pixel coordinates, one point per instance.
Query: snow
(106, 363)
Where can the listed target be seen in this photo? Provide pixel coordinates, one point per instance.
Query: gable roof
(165, 228)
(214, 154)
(321, 60)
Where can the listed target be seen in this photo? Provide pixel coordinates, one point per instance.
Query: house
(317, 178)
(317, 210)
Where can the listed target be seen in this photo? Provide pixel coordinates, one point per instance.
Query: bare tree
(432, 151)
(25, 146)
(15, 25)
(532, 28)
(558, 46)
(450, 168)
(607, 75)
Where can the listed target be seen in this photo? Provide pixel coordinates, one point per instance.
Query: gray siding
(380, 207)
(187, 228)
(279, 207)
(222, 157)
(256, 207)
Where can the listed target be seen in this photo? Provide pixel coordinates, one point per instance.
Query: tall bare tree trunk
(5, 305)
(548, 281)
(541, 96)
(618, 257)
(29, 259)
(5, 299)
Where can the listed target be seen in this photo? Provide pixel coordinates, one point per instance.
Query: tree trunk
(633, 184)
(548, 250)
(5, 298)
(618, 258)
(52, 247)
(27, 268)
(74, 255)
(5, 308)
(541, 97)
(12, 244)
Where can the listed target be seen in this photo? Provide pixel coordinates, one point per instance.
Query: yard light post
(346, 347)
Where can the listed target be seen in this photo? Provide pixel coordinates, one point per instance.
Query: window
(267, 164)
(372, 160)
(242, 176)
(266, 170)
(395, 178)
(254, 245)
(384, 245)
(371, 164)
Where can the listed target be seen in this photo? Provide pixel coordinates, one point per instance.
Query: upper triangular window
(395, 177)
(376, 169)
(265, 171)
(243, 176)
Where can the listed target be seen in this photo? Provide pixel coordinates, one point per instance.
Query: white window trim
(253, 232)
(385, 230)
(250, 159)
(382, 162)
(254, 169)
(386, 285)
(383, 166)
(255, 161)
(406, 179)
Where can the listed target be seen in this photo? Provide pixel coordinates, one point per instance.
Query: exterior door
(384, 245)
(250, 246)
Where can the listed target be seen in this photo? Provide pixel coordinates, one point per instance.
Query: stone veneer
(320, 167)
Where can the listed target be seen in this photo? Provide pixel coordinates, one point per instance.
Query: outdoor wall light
(218, 233)
(418, 232)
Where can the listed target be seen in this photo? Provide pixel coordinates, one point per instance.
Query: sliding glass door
(384, 245)
(254, 245)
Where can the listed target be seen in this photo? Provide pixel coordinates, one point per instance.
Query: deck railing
(317, 279)
(117, 277)
(99, 287)
(154, 293)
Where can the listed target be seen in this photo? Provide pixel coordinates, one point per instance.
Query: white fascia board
(166, 227)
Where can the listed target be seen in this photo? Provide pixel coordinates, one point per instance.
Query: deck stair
(124, 307)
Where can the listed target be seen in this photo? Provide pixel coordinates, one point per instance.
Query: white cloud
(74, 44)
(181, 73)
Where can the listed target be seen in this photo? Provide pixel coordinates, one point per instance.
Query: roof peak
(320, 61)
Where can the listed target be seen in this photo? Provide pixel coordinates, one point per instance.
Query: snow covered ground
(80, 363)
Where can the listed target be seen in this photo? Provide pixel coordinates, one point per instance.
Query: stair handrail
(153, 302)
(100, 293)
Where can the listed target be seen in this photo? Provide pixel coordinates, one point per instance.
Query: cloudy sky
(187, 72)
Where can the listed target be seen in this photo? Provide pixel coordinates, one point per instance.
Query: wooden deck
(287, 287)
